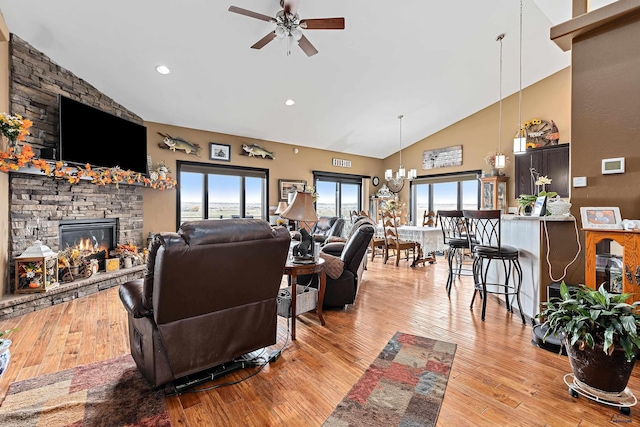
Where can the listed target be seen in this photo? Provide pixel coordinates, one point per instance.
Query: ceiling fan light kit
(289, 25)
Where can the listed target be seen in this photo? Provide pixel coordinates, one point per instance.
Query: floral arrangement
(130, 251)
(490, 159)
(12, 160)
(312, 190)
(541, 186)
(125, 250)
(14, 127)
(30, 270)
(393, 205)
(160, 172)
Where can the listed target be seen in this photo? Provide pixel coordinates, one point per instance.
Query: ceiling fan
(289, 24)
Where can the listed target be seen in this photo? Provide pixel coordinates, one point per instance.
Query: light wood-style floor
(498, 377)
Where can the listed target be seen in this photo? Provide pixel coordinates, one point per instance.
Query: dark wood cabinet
(551, 161)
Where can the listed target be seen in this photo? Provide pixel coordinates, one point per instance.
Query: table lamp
(301, 209)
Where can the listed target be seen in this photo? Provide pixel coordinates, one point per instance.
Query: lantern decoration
(36, 269)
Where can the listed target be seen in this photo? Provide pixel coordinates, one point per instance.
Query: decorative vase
(495, 172)
(5, 356)
(128, 262)
(596, 369)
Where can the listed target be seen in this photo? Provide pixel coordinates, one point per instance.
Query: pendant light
(520, 141)
(401, 174)
(500, 160)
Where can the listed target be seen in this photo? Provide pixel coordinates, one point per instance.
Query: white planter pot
(5, 355)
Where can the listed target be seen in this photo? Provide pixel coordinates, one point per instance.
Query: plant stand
(623, 400)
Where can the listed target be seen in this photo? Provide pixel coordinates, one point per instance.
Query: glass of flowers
(14, 128)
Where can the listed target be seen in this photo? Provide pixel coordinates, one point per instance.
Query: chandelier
(402, 172)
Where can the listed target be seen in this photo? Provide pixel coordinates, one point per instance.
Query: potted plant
(526, 201)
(5, 353)
(600, 332)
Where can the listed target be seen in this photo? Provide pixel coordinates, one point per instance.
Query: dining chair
(454, 233)
(429, 219)
(486, 245)
(393, 242)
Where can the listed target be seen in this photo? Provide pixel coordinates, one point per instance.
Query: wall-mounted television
(90, 135)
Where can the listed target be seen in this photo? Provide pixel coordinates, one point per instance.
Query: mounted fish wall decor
(254, 150)
(174, 144)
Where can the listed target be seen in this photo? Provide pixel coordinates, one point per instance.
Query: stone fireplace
(72, 214)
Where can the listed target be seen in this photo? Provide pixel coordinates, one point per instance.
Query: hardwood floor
(498, 377)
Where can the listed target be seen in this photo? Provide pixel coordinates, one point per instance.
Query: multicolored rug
(110, 393)
(404, 386)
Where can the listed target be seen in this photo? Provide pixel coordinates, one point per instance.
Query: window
(338, 194)
(221, 192)
(446, 192)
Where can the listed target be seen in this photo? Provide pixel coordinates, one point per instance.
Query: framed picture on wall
(219, 152)
(599, 217)
(288, 185)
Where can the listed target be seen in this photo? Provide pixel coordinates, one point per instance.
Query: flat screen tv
(90, 135)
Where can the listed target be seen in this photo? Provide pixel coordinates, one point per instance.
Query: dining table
(430, 240)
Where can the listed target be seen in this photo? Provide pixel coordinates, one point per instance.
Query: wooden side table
(295, 270)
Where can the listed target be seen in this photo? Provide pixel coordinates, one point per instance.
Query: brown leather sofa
(208, 296)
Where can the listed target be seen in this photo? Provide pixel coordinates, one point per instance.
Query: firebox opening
(95, 238)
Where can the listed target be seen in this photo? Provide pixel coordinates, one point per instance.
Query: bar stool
(454, 233)
(488, 247)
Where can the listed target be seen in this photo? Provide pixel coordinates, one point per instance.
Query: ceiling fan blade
(263, 41)
(251, 14)
(306, 46)
(323, 24)
(290, 6)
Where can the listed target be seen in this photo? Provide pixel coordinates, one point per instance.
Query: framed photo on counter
(540, 207)
(601, 218)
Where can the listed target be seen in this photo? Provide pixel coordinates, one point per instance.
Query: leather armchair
(343, 290)
(207, 297)
(324, 228)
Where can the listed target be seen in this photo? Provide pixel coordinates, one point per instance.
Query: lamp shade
(301, 209)
(282, 206)
(519, 144)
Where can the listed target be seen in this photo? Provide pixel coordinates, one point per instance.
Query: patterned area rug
(404, 386)
(110, 393)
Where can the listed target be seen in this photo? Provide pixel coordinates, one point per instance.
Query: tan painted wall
(549, 99)
(160, 206)
(4, 178)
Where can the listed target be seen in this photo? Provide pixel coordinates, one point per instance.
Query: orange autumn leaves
(12, 161)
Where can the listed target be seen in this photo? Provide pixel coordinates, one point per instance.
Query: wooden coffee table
(295, 270)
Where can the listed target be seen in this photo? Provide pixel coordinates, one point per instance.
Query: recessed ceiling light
(163, 69)
(289, 102)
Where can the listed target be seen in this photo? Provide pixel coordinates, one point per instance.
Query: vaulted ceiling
(434, 62)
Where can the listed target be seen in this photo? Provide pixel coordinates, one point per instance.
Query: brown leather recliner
(208, 296)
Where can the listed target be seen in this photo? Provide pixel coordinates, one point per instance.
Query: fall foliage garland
(12, 161)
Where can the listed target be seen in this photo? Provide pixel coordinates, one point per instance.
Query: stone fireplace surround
(33, 197)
